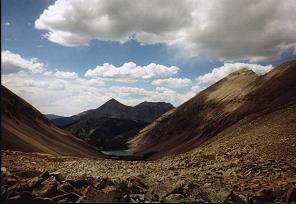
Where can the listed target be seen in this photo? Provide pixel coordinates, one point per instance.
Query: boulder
(291, 195)
(101, 183)
(174, 198)
(235, 198)
(11, 180)
(67, 187)
(263, 196)
(46, 191)
(138, 198)
(58, 176)
(157, 192)
(81, 199)
(12, 194)
(43, 200)
(109, 194)
(17, 197)
(73, 197)
(26, 196)
(79, 183)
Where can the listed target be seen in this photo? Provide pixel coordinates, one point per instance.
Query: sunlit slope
(220, 106)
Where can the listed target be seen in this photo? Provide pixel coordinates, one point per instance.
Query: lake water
(122, 155)
(118, 153)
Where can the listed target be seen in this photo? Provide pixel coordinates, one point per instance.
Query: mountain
(53, 116)
(25, 129)
(146, 111)
(149, 111)
(111, 108)
(63, 122)
(245, 153)
(107, 133)
(217, 109)
(112, 124)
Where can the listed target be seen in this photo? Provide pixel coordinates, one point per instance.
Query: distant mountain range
(112, 124)
(53, 116)
(145, 112)
(213, 112)
(24, 128)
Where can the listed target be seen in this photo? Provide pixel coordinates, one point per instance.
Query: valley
(234, 142)
(112, 125)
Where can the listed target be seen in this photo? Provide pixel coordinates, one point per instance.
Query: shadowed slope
(112, 124)
(24, 128)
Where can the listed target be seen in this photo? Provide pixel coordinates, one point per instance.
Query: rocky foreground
(208, 179)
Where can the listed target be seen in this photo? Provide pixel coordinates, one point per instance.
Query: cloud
(48, 73)
(51, 90)
(66, 75)
(197, 88)
(227, 29)
(77, 22)
(51, 85)
(162, 89)
(172, 82)
(132, 72)
(51, 95)
(223, 71)
(7, 24)
(13, 63)
(91, 82)
(135, 95)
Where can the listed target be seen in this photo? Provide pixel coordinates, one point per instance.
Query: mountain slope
(106, 133)
(24, 128)
(218, 107)
(53, 116)
(111, 108)
(145, 112)
(111, 125)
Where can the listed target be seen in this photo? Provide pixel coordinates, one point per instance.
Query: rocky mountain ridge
(112, 124)
(218, 107)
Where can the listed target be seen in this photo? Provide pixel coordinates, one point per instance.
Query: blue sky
(36, 45)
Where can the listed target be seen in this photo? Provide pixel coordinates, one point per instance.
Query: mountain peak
(242, 74)
(147, 103)
(112, 103)
(243, 71)
(113, 99)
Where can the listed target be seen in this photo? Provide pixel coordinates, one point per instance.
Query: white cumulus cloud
(172, 82)
(228, 68)
(66, 75)
(51, 85)
(131, 71)
(76, 22)
(90, 82)
(14, 63)
(227, 29)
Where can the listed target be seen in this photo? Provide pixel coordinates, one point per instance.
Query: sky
(68, 56)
